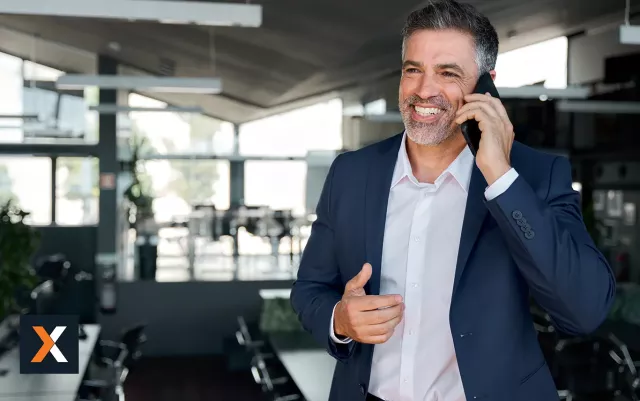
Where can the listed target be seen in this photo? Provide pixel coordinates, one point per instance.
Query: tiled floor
(221, 268)
(213, 260)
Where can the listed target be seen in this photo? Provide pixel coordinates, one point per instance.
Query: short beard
(426, 133)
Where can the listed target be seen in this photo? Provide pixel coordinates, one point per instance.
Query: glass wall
(317, 127)
(27, 181)
(60, 116)
(174, 133)
(77, 192)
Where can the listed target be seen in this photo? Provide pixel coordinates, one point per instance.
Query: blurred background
(161, 161)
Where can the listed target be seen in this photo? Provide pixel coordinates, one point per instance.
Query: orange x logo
(49, 344)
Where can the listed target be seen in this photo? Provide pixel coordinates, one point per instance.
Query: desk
(58, 387)
(309, 365)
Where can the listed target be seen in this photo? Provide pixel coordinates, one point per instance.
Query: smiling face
(439, 68)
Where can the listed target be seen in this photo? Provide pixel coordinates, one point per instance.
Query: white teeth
(427, 111)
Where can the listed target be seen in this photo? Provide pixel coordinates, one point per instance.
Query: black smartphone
(470, 128)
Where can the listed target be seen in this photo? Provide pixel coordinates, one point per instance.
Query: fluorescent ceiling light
(598, 107)
(51, 133)
(143, 83)
(170, 12)
(114, 108)
(18, 116)
(630, 35)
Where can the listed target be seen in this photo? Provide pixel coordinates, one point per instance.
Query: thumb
(361, 279)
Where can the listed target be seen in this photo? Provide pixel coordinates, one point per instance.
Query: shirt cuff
(335, 339)
(501, 185)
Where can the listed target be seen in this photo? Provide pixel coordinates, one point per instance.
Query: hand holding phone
(470, 129)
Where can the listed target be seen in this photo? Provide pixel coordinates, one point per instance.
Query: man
(421, 263)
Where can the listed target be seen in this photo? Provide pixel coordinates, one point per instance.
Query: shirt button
(406, 380)
(416, 239)
(410, 332)
(415, 285)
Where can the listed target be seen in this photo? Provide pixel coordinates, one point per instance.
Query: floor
(189, 379)
(206, 260)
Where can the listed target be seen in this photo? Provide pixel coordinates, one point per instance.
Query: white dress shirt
(419, 255)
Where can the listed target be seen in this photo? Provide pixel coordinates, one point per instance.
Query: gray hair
(449, 14)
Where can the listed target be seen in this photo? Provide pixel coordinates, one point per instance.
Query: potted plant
(138, 193)
(140, 212)
(18, 243)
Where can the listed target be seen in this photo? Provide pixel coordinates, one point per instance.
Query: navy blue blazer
(531, 240)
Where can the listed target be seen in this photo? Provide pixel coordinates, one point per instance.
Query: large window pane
(179, 185)
(28, 88)
(171, 133)
(11, 98)
(27, 180)
(522, 67)
(280, 185)
(317, 127)
(77, 192)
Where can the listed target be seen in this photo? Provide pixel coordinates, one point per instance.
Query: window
(27, 88)
(179, 185)
(317, 127)
(11, 99)
(522, 66)
(77, 192)
(27, 180)
(39, 72)
(176, 133)
(280, 185)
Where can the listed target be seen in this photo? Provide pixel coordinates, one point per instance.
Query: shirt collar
(460, 168)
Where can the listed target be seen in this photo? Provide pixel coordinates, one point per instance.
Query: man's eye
(412, 70)
(450, 74)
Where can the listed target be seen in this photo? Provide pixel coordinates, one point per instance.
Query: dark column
(236, 181)
(106, 257)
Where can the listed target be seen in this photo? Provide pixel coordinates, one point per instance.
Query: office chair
(54, 267)
(116, 359)
(110, 387)
(274, 381)
(248, 340)
(43, 298)
(132, 339)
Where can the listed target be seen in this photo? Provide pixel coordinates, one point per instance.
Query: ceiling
(305, 50)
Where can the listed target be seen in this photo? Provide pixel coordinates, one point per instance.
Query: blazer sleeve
(567, 275)
(318, 286)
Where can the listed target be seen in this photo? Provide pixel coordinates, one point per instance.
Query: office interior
(159, 175)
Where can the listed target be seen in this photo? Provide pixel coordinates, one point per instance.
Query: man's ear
(493, 74)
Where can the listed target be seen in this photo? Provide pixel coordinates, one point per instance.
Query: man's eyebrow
(450, 66)
(412, 63)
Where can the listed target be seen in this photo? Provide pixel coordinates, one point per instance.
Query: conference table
(15, 386)
(309, 366)
(307, 363)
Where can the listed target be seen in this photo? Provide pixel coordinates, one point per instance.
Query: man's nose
(428, 87)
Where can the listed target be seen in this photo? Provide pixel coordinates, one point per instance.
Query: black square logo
(49, 344)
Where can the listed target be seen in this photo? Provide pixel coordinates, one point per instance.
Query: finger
(375, 302)
(499, 108)
(377, 339)
(360, 280)
(472, 114)
(381, 328)
(383, 315)
(478, 97)
(485, 107)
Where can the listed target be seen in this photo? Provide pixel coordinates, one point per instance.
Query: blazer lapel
(380, 173)
(475, 214)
